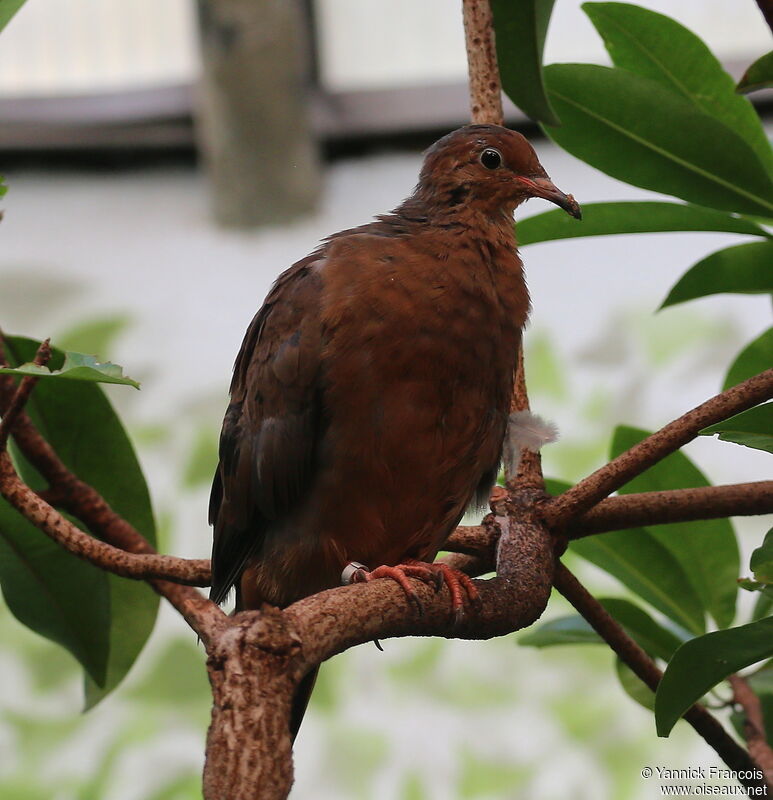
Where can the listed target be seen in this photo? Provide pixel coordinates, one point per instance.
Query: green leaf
(743, 268)
(657, 47)
(636, 130)
(520, 30)
(571, 629)
(752, 428)
(702, 663)
(756, 357)
(706, 550)
(3, 187)
(651, 636)
(555, 486)
(606, 219)
(758, 76)
(640, 562)
(764, 604)
(53, 593)
(639, 625)
(762, 559)
(76, 367)
(76, 418)
(634, 686)
(7, 9)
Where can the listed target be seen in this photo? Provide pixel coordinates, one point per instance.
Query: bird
(370, 396)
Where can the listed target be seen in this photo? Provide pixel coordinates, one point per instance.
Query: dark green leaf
(651, 636)
(53, 593)
(634, 686)
(555, 486)
(520, 30)
(702, 663)
(762, 559)
(636, 130)
(76, 367)
(605, 219)
(706, 550)
(744, 268)
(756, 357)
(764, 604)
(658, 47)
(648, 569)
(758, 76)
(752, 428)
(79, 422)
(562, 630)
(7, 9)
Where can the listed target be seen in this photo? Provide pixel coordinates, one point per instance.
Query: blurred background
(166, 160)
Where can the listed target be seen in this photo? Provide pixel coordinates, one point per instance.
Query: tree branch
(645, 668)
(22, 392)
(677, 505)
(754, 725)
(482, 66)
(333, 621)
(486, 107)
(192, 572)
(85, 503)
(631, 511)
(643, 455)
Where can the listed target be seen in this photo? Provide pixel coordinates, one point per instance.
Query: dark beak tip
(572, 207)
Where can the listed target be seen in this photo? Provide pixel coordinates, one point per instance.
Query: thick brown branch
(642, 665)
(333, 621)
(754, 725)
(678, 505)
(485, 86)
(633, 462)
(472, 540)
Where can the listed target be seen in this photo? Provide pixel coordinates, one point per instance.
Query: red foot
(435, 574)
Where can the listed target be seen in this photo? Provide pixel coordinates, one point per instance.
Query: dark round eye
(490, 158)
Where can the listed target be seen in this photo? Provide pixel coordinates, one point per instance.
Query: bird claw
(436, 574)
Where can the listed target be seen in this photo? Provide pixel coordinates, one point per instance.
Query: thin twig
(22, 392)
(85, 503)
(645, 668)
(754, 725)
(485, 85)
(191, 572)
(643, 455)
(486, 107)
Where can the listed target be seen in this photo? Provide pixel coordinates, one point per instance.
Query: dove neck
(448, 210)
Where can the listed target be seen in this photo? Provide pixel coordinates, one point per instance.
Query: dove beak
(545, 188)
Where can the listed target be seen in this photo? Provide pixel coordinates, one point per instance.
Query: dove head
(489, 169)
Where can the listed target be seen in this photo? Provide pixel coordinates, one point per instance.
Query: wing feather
(268, 443)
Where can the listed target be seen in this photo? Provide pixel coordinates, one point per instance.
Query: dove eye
(491, 158)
